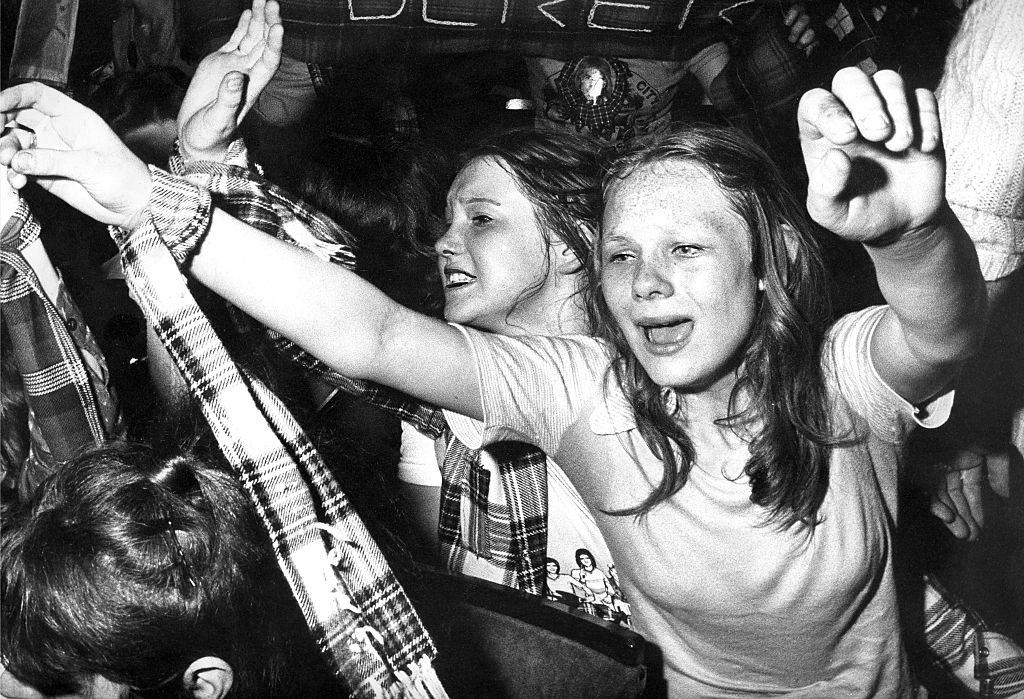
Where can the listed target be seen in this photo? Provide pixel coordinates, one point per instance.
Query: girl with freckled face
(738, 450)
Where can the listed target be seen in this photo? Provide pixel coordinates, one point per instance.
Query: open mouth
(667, 333)
(456, 278)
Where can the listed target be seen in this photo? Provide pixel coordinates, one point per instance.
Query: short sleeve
(850, 371)
(533, 388)
(417, 462)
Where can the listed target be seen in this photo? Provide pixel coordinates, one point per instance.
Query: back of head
(131, 566)
(142, 109)
(387, 193)
(561, 175)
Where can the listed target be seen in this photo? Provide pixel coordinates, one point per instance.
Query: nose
(650, 280)
(450, 243)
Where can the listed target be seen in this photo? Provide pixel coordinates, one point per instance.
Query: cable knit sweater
(981, 103)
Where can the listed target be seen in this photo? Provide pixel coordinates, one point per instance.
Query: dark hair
(560, 173)
(588, 554)
(131, 566)
(781, 371)
(386, 193)
(133, 102)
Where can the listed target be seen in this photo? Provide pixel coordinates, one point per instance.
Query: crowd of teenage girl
(608, 376)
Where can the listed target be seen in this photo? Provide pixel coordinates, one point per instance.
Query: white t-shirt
(737, 607)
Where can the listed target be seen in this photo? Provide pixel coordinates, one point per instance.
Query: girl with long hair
(753, 536)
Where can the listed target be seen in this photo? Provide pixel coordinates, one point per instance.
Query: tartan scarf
(60, 389)
(360, 616)
(249, 197)
(984, 661)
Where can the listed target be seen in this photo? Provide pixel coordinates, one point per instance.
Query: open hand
(873, 155)
(227, 83)
(73, 154)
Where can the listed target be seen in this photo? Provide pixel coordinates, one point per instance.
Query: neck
(703, 410)
(560, 313)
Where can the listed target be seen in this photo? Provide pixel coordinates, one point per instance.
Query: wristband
(178, 210)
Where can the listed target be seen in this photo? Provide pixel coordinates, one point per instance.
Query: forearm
(317, 305)
(931, 280)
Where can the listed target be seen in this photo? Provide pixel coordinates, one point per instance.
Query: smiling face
(494, 257)
(676, 275)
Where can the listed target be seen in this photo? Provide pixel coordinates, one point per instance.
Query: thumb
(44, 162)
(824, 187)
(223, 113)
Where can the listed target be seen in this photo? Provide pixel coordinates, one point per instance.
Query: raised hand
(73, 154)
(227, 83)
(873, 156)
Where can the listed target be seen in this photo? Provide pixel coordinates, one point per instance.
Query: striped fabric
(986, 662)
(72, 406)
(523, 468)
(358, 613)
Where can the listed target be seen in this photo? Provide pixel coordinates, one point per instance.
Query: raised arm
(329, 311)
(228, 82)
(875, 164)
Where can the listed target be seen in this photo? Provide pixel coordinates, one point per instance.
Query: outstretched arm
(875, 164)
(329, 311)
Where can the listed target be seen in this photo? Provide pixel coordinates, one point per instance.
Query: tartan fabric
(71, 404)
(516, 533)
(521, 545)
(962, 646)
(241, 191)
(358, 613)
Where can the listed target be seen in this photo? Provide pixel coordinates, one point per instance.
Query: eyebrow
(476, 200)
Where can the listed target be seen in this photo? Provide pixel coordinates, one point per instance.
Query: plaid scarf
(71, 405)
(984, 661)
(514, 537)
(246, 195)
(360, 616)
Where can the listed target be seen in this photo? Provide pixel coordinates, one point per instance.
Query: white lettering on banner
(597, 3)
(686, 13)
(446, 22)
(353, 16)
(540, 8)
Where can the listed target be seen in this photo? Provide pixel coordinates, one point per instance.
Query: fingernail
(22, 160)
(235, 82)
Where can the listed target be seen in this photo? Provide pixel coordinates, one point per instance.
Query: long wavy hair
(560, 173)
(778, 401)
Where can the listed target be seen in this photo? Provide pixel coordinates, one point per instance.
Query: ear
(208, 678)
(564, 259)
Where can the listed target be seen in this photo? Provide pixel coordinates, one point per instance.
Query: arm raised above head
(876, 175)
(329, 311)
